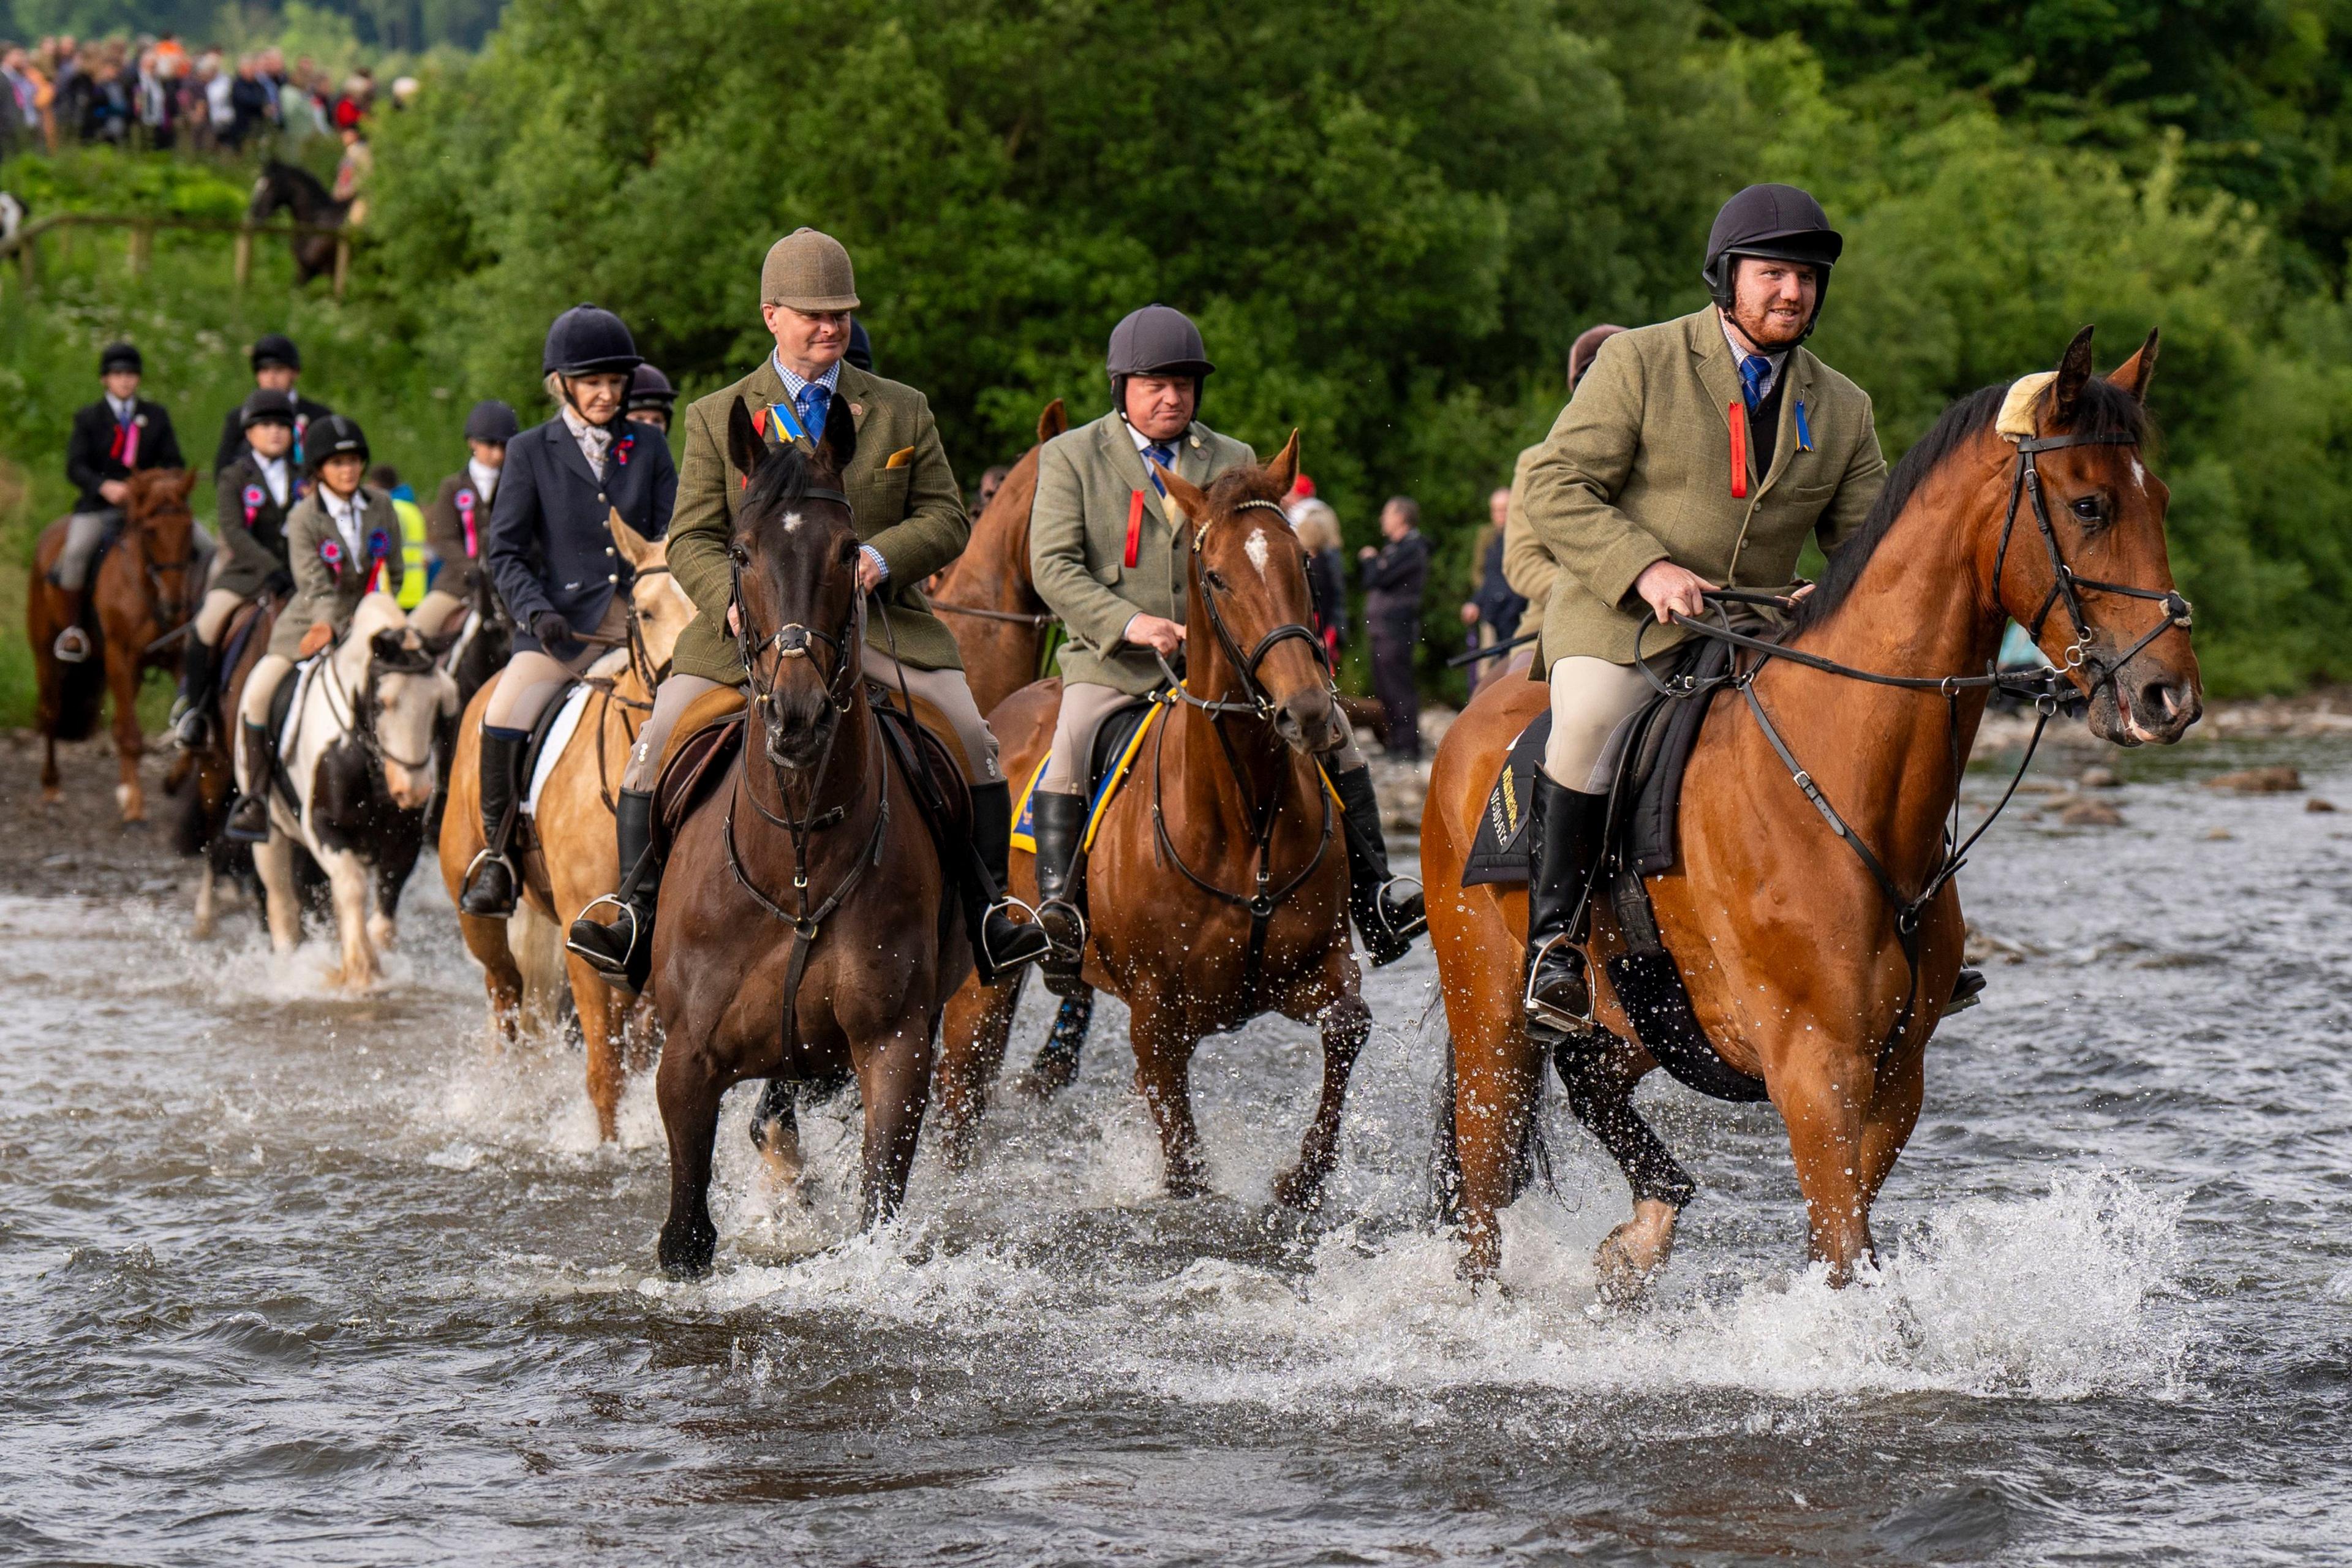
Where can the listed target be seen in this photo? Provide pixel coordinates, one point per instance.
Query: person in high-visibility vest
(386, 477)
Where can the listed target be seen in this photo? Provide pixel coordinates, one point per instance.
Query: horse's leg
(894, 1074)
(776, 1132)
(688, 1085)
(398, 859)
(1496, 1083)
(600, 1034)
(1056, 1065)
(347, 881)
(971, 1050)
(486, 939)
(1163, 1076)
(1819, 1092)
(1346, 1025)
(1600, 1071)
(205, 902)
(52, 795)
(122, 683)
(273, 859)
(1893, 1111)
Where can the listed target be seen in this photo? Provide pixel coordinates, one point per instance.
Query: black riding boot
(1387, 918)
(1565, 838)
(249, 819)
(191, 716)
(1060, 821)
(1010, 943)
(623, 951)
(491, 880)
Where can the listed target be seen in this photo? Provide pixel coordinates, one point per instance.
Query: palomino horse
(1219, 881)
(806, 923)
(986, 595)
(568, 856)
(1793, 952)
(359, 771)
(144, 589)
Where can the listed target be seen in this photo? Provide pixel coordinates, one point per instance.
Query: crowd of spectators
(155, 92)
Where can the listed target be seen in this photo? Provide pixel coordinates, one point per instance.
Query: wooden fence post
(244, 255)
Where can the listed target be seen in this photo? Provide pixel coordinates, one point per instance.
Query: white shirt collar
(274, 474)
(795, 383)
(485, 479)
(1173, 443)
(346, 513)
(122, 407)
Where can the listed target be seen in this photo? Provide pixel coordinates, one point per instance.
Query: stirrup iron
(1543, 1013)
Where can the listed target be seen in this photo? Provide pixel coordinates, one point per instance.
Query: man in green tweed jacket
(909, 510)
(1110, 554)
(1696, 454)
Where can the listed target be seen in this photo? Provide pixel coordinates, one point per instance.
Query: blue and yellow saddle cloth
(1024, 816)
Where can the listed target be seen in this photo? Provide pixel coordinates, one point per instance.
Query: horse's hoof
(1298, 1189)
(1629, 1261)
(52, 796)
(1187, 1184)
(687, 1251)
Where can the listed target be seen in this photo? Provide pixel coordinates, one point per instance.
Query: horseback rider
(1697, 453)
(651, 398)
(552, 556)
(253, 493)
(457, 523)
(276, 366)
(907, 509)
(120, 435)
(1107, 550)
(343, 541)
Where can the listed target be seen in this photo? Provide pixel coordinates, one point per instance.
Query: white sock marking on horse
(1258, 550)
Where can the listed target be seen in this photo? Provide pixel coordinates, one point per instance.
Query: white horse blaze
(1258, 550)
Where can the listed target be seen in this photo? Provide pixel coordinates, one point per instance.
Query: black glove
(549, 628)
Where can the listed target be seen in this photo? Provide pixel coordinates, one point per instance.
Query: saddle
(1118, 739)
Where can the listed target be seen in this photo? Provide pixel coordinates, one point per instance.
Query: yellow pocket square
(901, 457)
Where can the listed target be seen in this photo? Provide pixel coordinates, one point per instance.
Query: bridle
(176, 608)
(2045, 688)
(1266, 898)
(794, 640)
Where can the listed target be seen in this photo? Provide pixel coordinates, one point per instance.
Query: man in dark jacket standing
(113, 438)
(1393, 577)
(276, 366)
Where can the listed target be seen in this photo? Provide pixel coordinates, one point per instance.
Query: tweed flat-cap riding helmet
(1773, 223)
(120, 356)
(588, 340)
(492, 420)
(335, 436)
(650, 388)
(809, 271)
(274, 348)
(266, 405)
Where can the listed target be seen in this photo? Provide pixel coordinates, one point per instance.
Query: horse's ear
(2133, 373)
(1052, 421)
(2074, 374)
(1189, 496)
(744, 447)
(636, 548)
(1283, 470)
(839, 446)
(388, 646)
(187, 482)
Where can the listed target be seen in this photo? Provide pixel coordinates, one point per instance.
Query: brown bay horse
(568, 855)
(1790, 951)
(986, 595)
(1224, 805)
(145, 587)
(806, 924)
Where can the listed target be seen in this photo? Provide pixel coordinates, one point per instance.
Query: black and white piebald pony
(359, 755)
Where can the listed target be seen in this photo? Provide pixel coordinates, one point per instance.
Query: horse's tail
(81, 690)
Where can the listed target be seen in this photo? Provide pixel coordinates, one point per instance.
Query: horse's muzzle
(2151, 710)
(410, 790)
(1310, 721)
(799, 726)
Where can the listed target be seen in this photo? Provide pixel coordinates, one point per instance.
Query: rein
(2045, 688)
(1262, 904)
(1014, 618)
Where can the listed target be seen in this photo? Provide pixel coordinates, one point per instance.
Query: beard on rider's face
(1774, 304)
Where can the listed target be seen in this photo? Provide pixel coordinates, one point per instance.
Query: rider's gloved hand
(549, 628)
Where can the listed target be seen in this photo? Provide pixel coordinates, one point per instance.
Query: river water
(285, 1277)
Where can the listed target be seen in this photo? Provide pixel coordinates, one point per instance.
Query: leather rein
(1264, 899)
(2046, 689)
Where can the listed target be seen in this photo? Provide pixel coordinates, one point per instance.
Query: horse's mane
(783, 480)
(2105, 410)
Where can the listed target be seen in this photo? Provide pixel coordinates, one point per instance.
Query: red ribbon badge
(465, 504)
(1738, 451)
(378, 547)
(254, 496)
(331, 553)
(1134, 526)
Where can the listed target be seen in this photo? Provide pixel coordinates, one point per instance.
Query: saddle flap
(933, 767)
(696, 759)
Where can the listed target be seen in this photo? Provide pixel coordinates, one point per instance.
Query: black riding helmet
(492, 420)
(335, 436)
(1157, 340)
(588, 340)
(265, 406)
(861, 347)
(1774, 223)
(120, 356)
(650, 388)
(274, 348)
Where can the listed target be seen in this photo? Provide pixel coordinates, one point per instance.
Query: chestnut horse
(144, 588)
(1225, 808)
(985, 594)
(805, 920)
(568, 854)
(1792, 954)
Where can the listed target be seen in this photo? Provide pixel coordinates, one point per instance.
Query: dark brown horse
(1794, 957)
(1226, 809)
(144, 588)
(986, 595)
(805, 919)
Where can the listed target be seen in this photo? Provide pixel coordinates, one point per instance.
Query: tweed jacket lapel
(854, 388)
(1711, 357)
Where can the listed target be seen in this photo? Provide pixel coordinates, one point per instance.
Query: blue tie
(1166, 458)
(813, 399)
(1753, 369)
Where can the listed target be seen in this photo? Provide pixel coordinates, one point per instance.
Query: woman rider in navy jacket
(552, 554)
